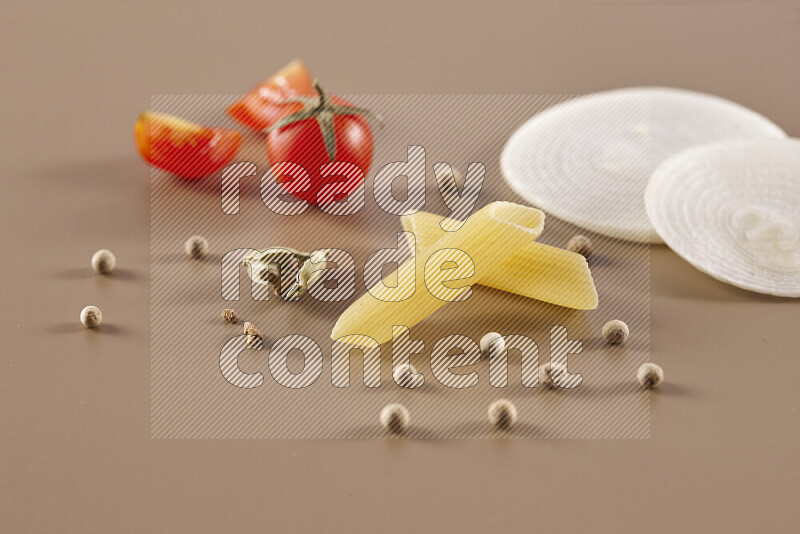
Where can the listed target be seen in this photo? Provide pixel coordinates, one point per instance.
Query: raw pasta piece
(534, 270)
(488, 236)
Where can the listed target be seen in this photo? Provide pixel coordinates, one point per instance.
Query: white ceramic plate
(732, 210)
(588, 160)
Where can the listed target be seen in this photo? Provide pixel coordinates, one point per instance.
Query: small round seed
(196, 247)
(616, 332)
(502, 414)
(91, 316)
(229, 315)
(492, 343)
(549, 373)
(446, 185)
(580, 245)
(103, 261)
(395, 418)
(405, 375)
(650, 375)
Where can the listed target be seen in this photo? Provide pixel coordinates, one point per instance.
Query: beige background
(75, 451)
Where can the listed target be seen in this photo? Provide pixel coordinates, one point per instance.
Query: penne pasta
(489, 238)
(533, 270)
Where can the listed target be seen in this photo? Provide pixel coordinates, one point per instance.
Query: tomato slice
(184, 148)
(260, 108)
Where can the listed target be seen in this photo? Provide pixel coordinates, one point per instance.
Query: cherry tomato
(184, 148)
(299, 139)
(261, 107)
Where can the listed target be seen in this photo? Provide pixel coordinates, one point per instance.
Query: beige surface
(75, 452)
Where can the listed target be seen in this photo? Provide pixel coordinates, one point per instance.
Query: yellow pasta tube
(487, 237)
(533, 270)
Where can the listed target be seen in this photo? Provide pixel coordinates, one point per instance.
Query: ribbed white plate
(588, 160)
(732, 210)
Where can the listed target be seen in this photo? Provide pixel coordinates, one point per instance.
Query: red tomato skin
(187, 150)
(259, 109)
(302, 143)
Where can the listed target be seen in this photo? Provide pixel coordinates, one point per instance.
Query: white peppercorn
(580, 245)
(616, 332)
(502, 414)
(650, 375)
(550, 373)
(395, 418)
(405, 375)
(91, 316)
(492, 343)
(448, 182)
(103, 261)
(196, 247)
